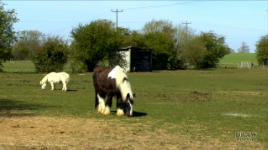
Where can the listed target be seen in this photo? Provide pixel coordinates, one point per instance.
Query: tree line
(173, 47)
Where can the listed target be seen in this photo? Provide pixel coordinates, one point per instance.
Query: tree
(183, 38)
(216, 49)
(28, 44)
(93, 42)
(262, 50)
(137, 40)
(160, 26)
(244, 48)
(52, 56)
(194, 52)
(159, 36)
(7, 34)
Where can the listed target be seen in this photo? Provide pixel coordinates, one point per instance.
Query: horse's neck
(44, 80)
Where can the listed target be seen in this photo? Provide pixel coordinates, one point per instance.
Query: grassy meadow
(184, 109)
(233, 60)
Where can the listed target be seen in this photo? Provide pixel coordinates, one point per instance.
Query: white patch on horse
(101, 106)
(54, 77)
(119, 75)
(131, 108)
(119, 112)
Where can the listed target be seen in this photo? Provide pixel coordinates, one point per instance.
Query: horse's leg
(119, 106)
(96, 100)
(52, 85)
(64, 87)
(108, 105)
(101, 106)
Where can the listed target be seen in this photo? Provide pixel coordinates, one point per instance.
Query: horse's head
(128, 109)
(127, 96)
(43, 82)
(122, 83)
(43, 85)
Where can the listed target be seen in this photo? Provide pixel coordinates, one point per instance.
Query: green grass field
(234, 59)
(200, 109)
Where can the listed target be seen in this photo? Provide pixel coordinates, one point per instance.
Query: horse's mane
(118, 74)
(121, 81)
(44, 80)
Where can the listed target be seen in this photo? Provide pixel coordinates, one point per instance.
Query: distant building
(137, 59)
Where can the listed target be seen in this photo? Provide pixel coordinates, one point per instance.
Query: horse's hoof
(101, 109)
(107, 111)
(120, 112)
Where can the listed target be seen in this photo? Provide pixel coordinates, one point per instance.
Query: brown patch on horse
(104, 85)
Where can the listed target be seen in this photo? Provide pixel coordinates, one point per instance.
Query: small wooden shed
(137, 59)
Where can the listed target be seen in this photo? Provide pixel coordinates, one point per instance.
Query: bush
(195, 52)
(52, 56)
(159, 36)
(216, 49)
(29, 42)
(77, 66)
(262, 50)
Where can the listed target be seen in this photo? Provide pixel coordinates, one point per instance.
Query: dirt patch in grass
(199, 96)
(36, 132)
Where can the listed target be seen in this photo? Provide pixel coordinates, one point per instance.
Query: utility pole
(116, 12)
(186, 24)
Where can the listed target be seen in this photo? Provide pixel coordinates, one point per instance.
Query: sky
(238, 21)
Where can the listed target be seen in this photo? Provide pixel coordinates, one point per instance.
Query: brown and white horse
(109, 82)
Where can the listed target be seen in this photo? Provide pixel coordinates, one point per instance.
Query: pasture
(185, 109)
(233, 60)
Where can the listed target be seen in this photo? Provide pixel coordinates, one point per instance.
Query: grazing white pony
(54, 77)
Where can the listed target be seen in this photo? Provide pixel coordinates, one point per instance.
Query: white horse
(54, 77)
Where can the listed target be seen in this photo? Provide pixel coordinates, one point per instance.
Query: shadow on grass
(135, 114)
(12, 108)
(72, 90)
(139, 114)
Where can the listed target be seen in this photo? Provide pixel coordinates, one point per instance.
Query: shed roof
(136, 49)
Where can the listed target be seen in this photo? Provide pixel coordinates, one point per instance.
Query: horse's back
(64, 75)
(57, 77)
(101, 72)
(100, 77)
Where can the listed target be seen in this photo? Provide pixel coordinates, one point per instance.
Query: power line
(186, 24)
(156, 6)
(116, 12)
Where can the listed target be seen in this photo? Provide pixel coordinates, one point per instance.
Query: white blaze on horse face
(131, 108)
(124, 86)
(101, 107)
